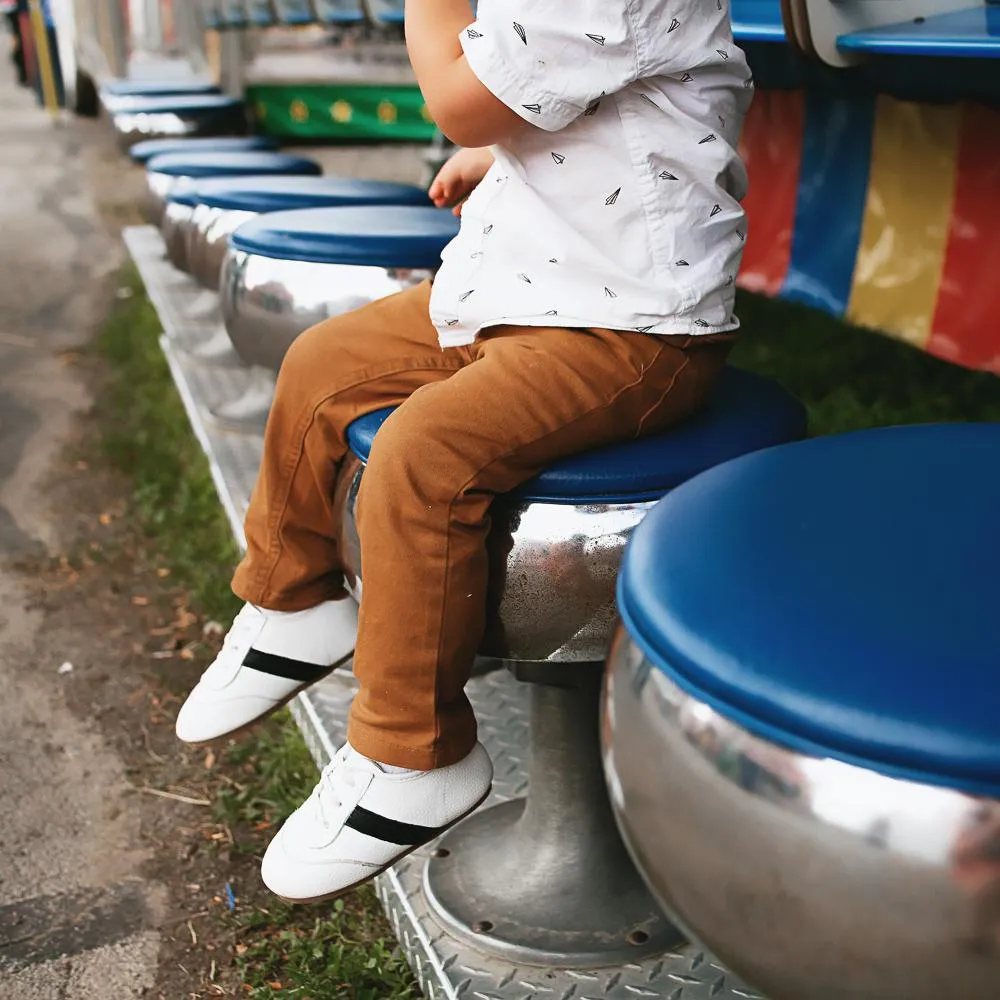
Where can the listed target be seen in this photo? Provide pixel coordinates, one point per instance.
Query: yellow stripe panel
(43, 57)
(905, 229)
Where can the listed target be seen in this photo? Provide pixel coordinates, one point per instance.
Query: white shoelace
(340, 776)
(236, 644)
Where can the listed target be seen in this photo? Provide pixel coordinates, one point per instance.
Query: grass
(848, 378)
(147, 435)
(339, 957)
(343, 952)
(310, 953)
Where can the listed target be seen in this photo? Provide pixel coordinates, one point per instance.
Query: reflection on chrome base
(208, 242)
(267, 302)
(131, 127)
(561, 557)
(176, 221)
(810, 878)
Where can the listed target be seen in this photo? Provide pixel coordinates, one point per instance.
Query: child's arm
(460, 105)
(457, 179)
(528, 64)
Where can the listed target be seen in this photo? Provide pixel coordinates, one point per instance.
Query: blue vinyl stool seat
(294, 11)
(170, 173)
(596, 498)
(233, 14)
(225, 204)
(321, 262)
(260, 13)
(746, 412)
(142, 152)
(158, 88)
(339, 13)
(119, 96)
(259, 195)
(166, 172)
(179, 104)
(407, 236)
(227, 163)
(810, 653)
(554, 550)
(861, 578)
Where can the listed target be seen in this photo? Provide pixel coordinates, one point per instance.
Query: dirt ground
(119, 875)
(111, 881)
(102, 606)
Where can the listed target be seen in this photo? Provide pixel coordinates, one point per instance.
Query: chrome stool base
(546, 880)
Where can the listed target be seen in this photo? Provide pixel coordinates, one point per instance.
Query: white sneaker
(362, 818)
(266, 658)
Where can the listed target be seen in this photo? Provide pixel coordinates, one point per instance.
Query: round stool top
(275, 194)
(840, 596)
(378, 236)
(181, 104)
(232, 164)
(158, 88)
(746, 412)
(339, 11)
(261, 12)
(293, 11)
(143, 151)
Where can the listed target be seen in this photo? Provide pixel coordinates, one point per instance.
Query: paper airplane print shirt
(621, 208)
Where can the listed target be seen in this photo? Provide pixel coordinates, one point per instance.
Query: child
(587, 299)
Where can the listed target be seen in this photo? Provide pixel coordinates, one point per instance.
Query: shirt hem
(667, 329)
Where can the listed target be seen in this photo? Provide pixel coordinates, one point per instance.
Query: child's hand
(459, 176)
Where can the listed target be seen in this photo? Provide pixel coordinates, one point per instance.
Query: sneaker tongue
(384, 768)
(392, 768)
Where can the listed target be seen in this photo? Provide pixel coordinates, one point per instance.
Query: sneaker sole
(247, 726)
(329, 896)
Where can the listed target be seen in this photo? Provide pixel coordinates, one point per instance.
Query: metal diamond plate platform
(447, 969)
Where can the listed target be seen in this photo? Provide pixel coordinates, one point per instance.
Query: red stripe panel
(965, 328)
(28, 44)
(771, 148)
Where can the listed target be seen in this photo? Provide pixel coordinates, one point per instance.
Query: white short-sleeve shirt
(621, 209)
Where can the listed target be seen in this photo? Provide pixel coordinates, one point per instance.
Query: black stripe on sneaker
(392, 831)
(284, 666)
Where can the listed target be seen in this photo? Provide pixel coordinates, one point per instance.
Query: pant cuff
(375, 745)
(299, 599)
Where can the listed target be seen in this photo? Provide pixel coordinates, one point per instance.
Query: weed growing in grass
(280, 774)
(336, 957)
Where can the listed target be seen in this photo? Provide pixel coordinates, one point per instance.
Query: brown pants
(472, 422)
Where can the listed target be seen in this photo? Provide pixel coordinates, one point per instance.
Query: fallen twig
(149, 749)
(173, 795)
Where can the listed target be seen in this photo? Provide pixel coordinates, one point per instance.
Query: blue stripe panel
(833, 184)
(973, 33)
(757, 20)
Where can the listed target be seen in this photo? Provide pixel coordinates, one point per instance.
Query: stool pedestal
(546, 880)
